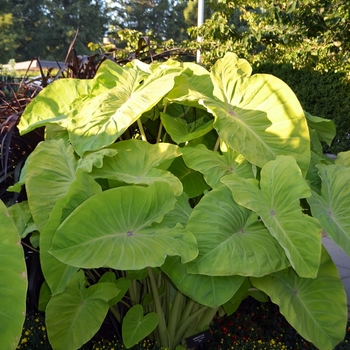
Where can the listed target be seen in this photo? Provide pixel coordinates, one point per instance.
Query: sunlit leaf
(99, 120)
(214, 166)
(233, 241)
(225, 74)
(121, 228)
(259, 116)
(191, 86)
(137, 162)
(53, 104)
(277, 204)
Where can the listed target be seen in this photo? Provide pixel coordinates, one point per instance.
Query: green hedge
(325, 95)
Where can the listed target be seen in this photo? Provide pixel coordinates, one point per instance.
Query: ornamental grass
(254, 326)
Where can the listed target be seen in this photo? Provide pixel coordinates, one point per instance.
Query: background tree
(164, 18)
(45, 28)
(8, 35)
(64, 17)
(301, 32)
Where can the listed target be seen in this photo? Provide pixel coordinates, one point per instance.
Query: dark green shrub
(324, 95)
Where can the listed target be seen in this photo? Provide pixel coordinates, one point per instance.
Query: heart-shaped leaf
(136, 326)
(75, 315)
(136, 162)
(50, 172)
(191, 86)
(121, 228)
(316, 308)
(277, 202)
(99, 120)
(181, 130)
(53, 104)
(56, 273)
(258, 116)
(225, 74)
(233, 235)
(214, 165)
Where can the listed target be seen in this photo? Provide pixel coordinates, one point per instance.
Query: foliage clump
(164, 193)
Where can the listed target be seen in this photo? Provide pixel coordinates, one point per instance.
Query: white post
(200, 20)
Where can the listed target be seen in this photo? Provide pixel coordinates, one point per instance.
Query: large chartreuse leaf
(331, 207)
(214, 166)
(49, 173)
(56, 273)
(53, 104)
(136, 326)
(227, 232)
(75, 315)
(99, 119)
(110, 74)
(121, 228)
(225, 74)
(13, 282)
(258, 116)
(136, 162)
(277, 204)
(211, 291)
(191, 86)
(316, 308)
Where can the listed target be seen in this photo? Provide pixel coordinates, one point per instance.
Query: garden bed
(254, 325)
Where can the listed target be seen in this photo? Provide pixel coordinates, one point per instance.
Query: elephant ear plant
(166, 193)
